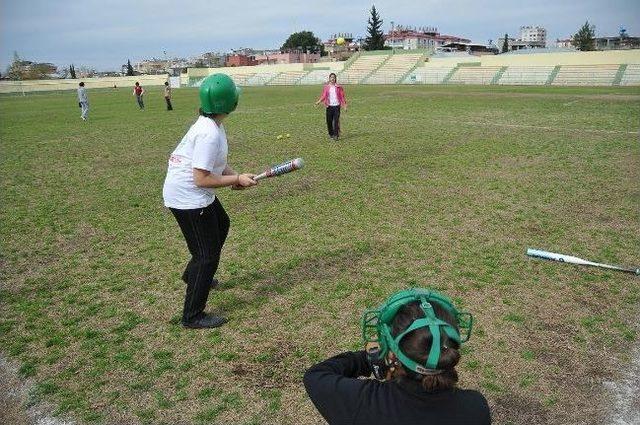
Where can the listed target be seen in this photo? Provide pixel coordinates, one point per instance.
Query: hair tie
(431, 372)
(428, 372)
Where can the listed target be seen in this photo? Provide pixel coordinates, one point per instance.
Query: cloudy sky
(103, 34)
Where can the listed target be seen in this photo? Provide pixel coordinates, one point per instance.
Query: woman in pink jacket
(333, 98)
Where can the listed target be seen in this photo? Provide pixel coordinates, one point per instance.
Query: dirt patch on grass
(625, 392)
(273, 369)
(295, 273)
(519, 410)
(16, 408)
(12, 396)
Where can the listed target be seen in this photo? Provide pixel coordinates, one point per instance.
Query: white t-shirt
(82, 95)
(333, 96)
(204, 147)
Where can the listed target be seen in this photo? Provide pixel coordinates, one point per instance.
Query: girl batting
(197, 167)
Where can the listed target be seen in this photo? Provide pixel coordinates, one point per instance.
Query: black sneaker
(204, 320)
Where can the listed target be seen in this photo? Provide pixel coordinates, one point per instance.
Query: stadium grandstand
(554, 68)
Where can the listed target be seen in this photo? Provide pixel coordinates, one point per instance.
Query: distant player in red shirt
(138, 91)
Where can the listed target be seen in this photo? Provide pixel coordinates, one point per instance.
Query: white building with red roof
(411, 38)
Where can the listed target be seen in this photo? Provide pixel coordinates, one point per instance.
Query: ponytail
(447, 376)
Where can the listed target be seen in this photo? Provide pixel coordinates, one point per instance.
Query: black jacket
(341, 398)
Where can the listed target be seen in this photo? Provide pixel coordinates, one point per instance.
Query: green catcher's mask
(218, 94)
(377, 325)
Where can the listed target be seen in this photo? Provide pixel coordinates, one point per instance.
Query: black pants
(205, 230)
(333, 120)
(169, 107)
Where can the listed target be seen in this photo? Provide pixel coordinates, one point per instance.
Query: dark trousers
(140, 101)
(169, 107)
(333, 120)
(205, 230)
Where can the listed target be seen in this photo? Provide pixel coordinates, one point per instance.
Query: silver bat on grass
(285, 167)
(575, 260)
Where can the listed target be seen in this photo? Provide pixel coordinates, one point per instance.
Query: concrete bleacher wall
(316, 76)
(452, 61)
(394, 68)
(598, 68)
(196, 75)
(631, 76)
(72, 84)
(428, 75)
(261, 79)
(263, 74)
(609, 57)
(474, 75)
(362, 67)
(586, 75)
(287, 78)
(526, 75)
(436, 69)
(559, 68)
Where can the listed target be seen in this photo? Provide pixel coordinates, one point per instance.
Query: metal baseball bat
(285, 167)
(575, 260)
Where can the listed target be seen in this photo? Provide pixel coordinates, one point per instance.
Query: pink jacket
(324, 97)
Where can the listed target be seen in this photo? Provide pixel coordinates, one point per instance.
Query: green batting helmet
(218, 94)
(377, 325)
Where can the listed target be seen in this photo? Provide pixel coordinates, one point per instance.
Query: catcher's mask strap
(434, 351)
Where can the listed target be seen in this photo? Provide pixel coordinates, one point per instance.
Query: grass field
(441, 187)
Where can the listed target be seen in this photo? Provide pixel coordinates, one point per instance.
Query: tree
(375, 38)
(14, 71)
(85, 72)
(63, 72)
(38, 71)
(304, 41)
(129, 69)
(584, 39)
(505, 43)
(27, 70)
(67, 72)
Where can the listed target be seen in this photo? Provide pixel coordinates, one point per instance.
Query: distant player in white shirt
(197, 166)
(83, 101)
